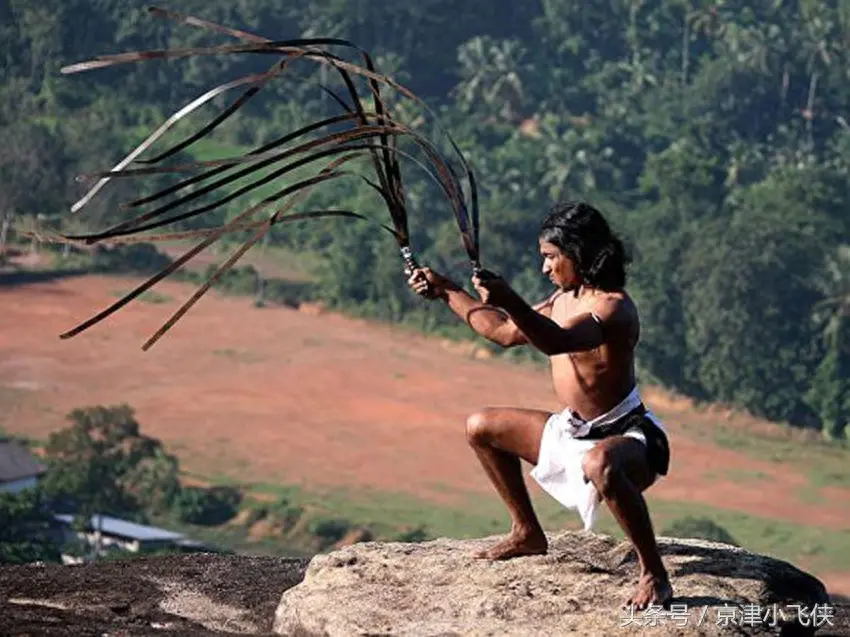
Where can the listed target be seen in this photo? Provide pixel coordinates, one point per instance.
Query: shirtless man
(589, 329)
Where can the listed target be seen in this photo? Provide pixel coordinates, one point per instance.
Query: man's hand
(493, 289)
(429, 284)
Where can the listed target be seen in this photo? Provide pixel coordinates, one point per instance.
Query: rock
(482, 354)
(311, 308)
(400, 589)
(264, 528)
(191, 594)
(437, 588)
(463, 348)
(245, 517)
(353, 537)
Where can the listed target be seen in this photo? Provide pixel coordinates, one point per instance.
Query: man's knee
(479, 427)
(604, 465)
(600, 468)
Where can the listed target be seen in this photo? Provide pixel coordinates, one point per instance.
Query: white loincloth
(558, 470)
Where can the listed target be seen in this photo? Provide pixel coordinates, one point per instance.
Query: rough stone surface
(192, 594)
(400, 589)
(437, 589)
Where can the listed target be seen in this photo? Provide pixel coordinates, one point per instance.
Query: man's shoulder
(615, 306)
(614, 298)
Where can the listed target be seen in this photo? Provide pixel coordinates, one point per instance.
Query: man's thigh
(516, 431)
(630, 456)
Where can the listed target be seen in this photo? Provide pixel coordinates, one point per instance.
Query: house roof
(124, 529)
(17, 463)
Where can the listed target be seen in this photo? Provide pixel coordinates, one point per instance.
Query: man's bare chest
(567, 307)
(566, 312)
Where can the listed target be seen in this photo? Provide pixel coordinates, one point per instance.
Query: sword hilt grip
(410, 263)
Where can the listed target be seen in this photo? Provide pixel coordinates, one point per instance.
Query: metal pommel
(409, 262)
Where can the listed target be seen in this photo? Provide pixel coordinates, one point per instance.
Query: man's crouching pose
(605, 445)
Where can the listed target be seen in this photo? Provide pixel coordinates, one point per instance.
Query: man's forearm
(541, 331)
(485, 322)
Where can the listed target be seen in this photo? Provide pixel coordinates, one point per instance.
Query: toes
(634, 601)
(488, 551)
(640, 602)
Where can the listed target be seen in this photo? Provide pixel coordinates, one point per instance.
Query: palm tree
(833, 310)
(705, 18)
(817, 33)
(642, 71)
(701, 17)
(829, 393)
(572, 156)
(632, 30)
(749, 46)
(4, 231)
(492, 72)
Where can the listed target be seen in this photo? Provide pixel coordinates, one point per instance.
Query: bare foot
(516, 545)
(651, 590)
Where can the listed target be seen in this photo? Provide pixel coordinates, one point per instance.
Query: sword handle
(409, 261)
(410, 265)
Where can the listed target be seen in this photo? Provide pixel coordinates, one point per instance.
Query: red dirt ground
(278, 395)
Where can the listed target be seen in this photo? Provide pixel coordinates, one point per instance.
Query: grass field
(386, 513)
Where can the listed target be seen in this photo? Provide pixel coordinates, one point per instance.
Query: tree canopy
(713, 133)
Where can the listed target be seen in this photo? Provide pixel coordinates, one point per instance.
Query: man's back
(594, 381)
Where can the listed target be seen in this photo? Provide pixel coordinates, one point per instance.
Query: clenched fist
(493, 289)
(429, 284)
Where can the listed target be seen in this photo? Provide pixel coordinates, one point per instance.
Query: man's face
(558, 266)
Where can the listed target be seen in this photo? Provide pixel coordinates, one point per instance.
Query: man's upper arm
(610, 319)
(613, 316)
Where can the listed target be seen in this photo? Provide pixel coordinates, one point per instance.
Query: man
(604, 445)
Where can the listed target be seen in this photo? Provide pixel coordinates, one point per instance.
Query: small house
(115, 533)
(19, 469)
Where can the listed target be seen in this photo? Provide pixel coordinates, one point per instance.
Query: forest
(713, 134)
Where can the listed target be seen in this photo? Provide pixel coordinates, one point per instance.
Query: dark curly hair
(582, 233)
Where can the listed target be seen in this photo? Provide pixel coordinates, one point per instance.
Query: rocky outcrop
(431, 589)
(192, 594)
(437, 589)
